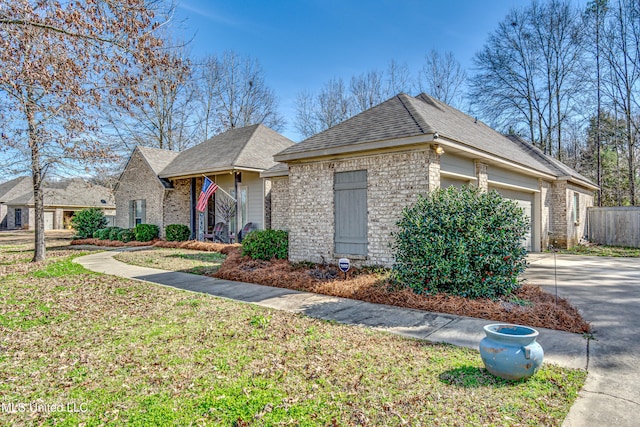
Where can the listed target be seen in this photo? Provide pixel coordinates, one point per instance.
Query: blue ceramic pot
(511, 351)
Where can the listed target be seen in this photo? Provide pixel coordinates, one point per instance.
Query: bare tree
(315, 113)
(442, 77)
(623, 59)
(60, 61)
(234, 94)
(528, 73)
(367, 90)
(399, 79)
(165, 119)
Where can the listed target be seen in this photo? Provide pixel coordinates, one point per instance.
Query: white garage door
(446, 182)
(48, 220)
(525, 201)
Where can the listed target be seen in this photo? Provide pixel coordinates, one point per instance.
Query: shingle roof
(280, 169)
(157, 158)
(11, 189)
(404, 116)
(74, 193)
(250, 147)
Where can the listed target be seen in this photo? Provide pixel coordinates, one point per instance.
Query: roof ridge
(406, 102)
(247, 142)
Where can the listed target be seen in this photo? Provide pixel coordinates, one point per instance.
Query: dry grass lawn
(79, 348)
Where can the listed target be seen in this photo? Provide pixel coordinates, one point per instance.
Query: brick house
(61, 200)
(340, 192)
(161, 187)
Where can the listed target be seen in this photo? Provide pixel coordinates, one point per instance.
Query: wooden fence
(619, 226)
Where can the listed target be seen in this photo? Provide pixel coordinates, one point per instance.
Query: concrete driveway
(607, 292)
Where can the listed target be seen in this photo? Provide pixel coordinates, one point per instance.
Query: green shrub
(103, 234)
(462, 242)
(126, 235)
(97, 233)
(146, 232)
(177, 232)
(266, 244)
(113, 233)
(87, 221)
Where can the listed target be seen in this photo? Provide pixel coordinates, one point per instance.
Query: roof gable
(250, 147)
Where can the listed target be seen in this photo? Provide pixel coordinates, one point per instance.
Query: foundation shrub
(266, 244)
(114, 233)
(126, 235)
(461, 242)
(146, 232)
(177, 233)
(87, 221)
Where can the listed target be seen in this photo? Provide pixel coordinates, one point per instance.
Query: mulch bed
(362, 285)
(542, 312)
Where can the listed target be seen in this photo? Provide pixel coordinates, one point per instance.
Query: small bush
(266, 244)
(97, 233)
(87, 221)
(462, 242)
(146, 232)
(126, 235)
(177, 232)
(113, 233)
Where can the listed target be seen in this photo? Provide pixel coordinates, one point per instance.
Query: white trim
(512, 187)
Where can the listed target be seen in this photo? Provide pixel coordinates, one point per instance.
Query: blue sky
(302, 44)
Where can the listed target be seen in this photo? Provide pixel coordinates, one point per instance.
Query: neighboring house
(61, 200)
(161, 187)
(340, 193)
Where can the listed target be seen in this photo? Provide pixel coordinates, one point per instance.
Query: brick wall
(138, 182)
(176, 203)
(577, 230)
(481, 174)
(558, 214)
(280, 203)
(394, 181)
(545, 212)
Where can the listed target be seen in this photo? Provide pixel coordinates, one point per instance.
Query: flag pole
(220, 188)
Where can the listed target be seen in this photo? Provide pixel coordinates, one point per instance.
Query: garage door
(525, 201)
(446, 182)
(48, 220)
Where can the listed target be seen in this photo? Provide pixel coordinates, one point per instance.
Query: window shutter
(132, 213)
(144, 210)
(351, 217)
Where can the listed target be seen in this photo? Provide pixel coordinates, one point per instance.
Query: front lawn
(601, 250)
(184, 260)
(85, 348)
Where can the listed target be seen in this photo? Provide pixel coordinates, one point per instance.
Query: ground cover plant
(120, 352)
(601, 250)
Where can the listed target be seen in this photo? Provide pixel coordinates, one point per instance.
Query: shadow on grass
(473, 377)
(203, 257)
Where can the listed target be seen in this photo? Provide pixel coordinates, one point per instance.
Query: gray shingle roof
(16, 187)
(250, 147)
(405, 116)
(280, 169)
(157, 158)
(73, 193)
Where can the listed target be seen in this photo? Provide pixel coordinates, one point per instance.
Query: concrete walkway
(561, 348)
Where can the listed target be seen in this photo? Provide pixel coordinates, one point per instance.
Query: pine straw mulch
(191, 244)
(540, 311)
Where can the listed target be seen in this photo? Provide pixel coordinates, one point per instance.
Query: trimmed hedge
(177, 233)
(126, 235)
(266, 244)
(104, 233)
(87, 221)
(113, 233)
(462, 242)
(146, 232)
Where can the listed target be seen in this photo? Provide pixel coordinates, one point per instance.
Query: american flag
(208, 188)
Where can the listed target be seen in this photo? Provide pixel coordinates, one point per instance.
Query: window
(351, 218)
(137, 212)
(576, 208)
(18, 218)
